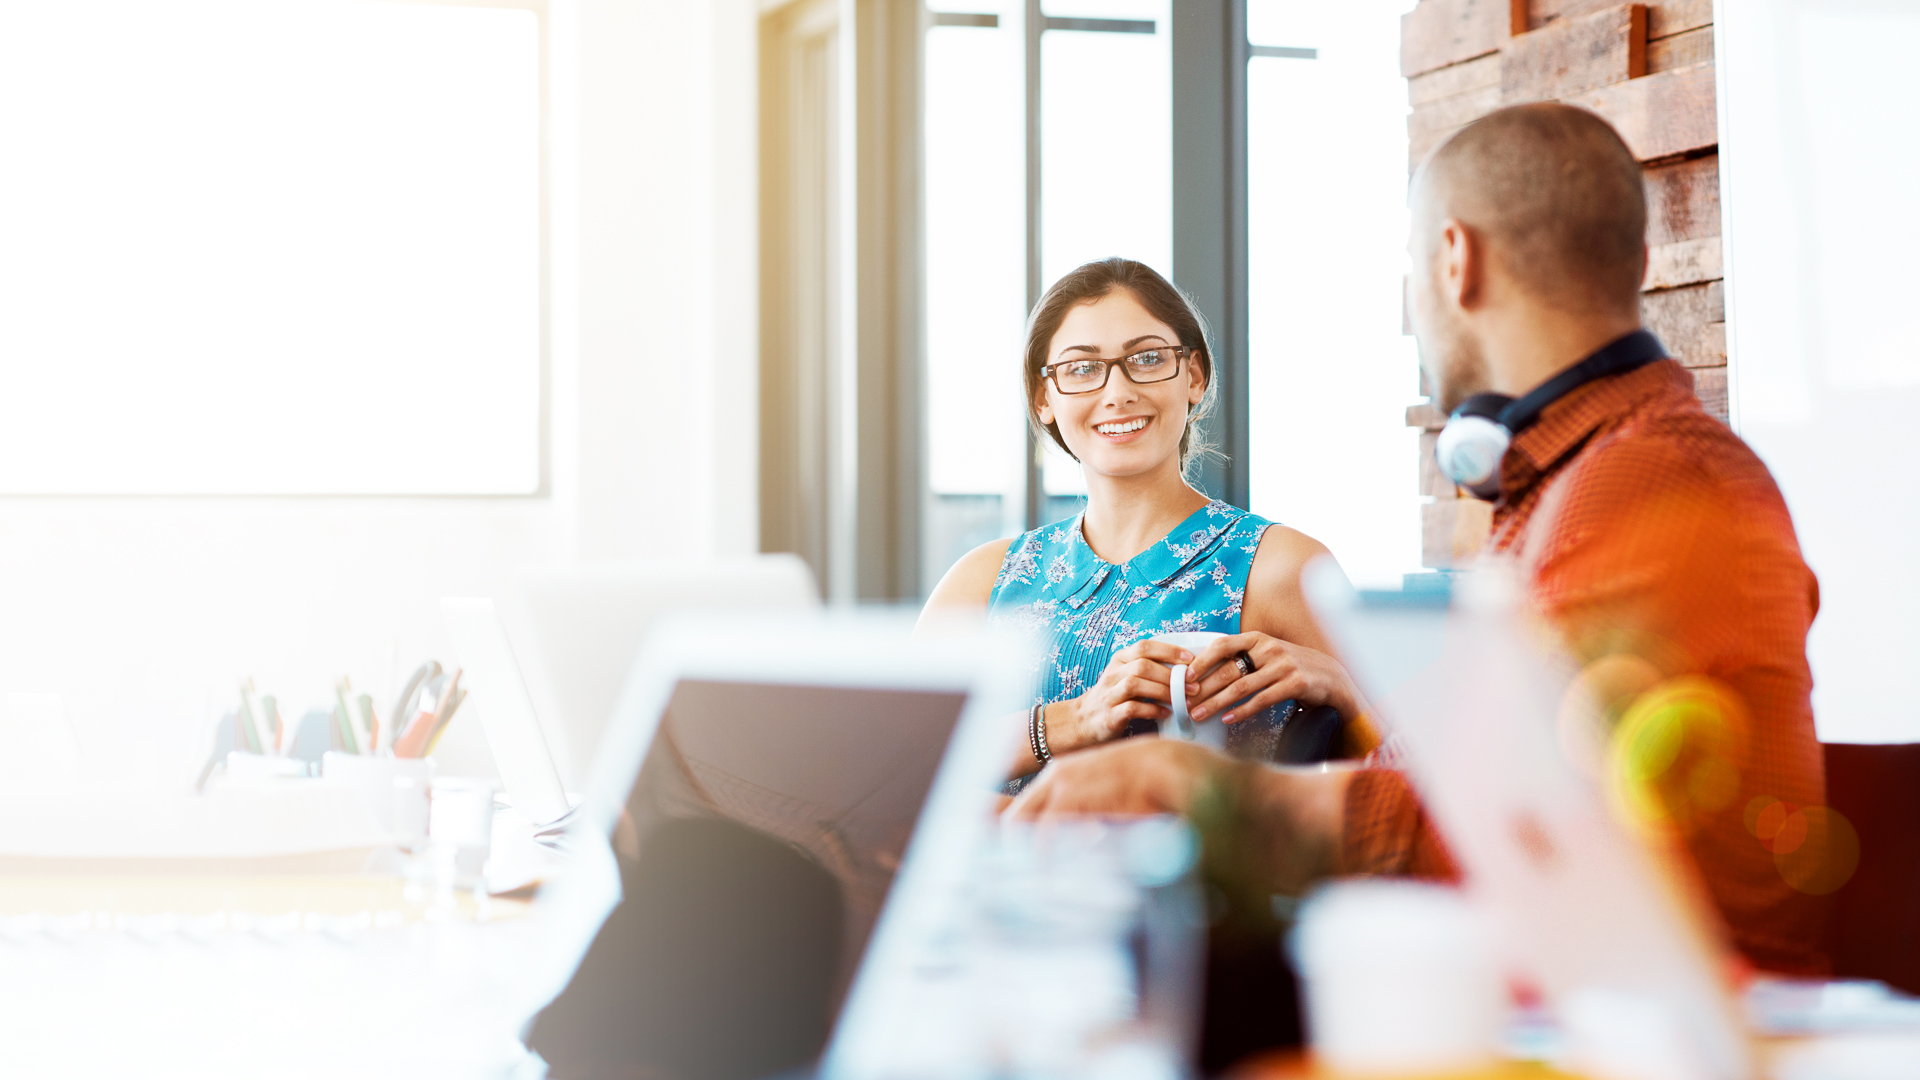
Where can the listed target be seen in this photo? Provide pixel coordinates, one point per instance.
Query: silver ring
(1244, 662)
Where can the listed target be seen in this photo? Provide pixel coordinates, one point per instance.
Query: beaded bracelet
(1037, 734)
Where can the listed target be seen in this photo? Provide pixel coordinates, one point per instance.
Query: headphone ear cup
(1469, 451)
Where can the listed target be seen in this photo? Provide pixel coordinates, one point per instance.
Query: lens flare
(1673, 757)
(1816, 850)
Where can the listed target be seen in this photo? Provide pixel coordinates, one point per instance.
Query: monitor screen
(759, 842)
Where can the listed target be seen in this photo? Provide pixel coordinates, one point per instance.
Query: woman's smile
(1124, 430)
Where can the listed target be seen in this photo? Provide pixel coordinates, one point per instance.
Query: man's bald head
(1558, 198)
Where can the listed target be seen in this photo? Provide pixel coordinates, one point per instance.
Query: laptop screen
(761, 837)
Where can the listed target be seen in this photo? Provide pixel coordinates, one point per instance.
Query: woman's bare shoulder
(969, 583)
(1274, 603)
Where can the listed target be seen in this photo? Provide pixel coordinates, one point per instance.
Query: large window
(1105, 189)
(278, 248)
(976, 280)
(1331, 373)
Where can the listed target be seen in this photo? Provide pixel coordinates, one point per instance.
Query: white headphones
(1475, 440)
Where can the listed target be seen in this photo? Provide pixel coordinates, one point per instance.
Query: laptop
(588, 622)
(786, 795)
(1619, 941)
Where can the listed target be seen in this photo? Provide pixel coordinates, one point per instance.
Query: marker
(343, 717)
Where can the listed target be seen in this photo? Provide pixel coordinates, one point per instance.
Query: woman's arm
(1290, 652)
(967, 586)
(1134, 683)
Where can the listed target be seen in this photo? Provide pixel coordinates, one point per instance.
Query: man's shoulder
(1673, 445)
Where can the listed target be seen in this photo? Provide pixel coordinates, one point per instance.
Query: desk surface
(281, 975)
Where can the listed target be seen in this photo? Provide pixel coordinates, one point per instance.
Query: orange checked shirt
(1660, 547)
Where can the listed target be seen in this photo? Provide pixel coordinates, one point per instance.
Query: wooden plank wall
(1647, 68)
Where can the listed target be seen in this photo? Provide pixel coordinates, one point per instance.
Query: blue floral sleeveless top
(1080, 609)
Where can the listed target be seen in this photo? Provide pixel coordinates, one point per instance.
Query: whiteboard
(284, 248)
(1820, 148)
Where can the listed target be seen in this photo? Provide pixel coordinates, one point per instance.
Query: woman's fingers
(1259, 703)
(1274, 666)
(1167, 653)
(1147, 687)
(1218, 656)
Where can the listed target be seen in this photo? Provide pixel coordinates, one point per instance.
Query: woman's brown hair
(1093, 282)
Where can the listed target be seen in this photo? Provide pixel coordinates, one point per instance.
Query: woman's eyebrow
(1095, 349)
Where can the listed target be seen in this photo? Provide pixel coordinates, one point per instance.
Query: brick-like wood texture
(1465, 58)
(1691, 321)
(1574, 56)
(1663, 19)
(1683, 200)
(1454, 79)
(1442, 32)
(1681, 50)
(1452, 532)
(1660, 115)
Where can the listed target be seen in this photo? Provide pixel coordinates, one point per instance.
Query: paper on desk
(306, 818)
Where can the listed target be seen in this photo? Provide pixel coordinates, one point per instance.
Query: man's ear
(1462, 270)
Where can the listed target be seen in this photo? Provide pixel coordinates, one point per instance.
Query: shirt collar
(1566, 425)
(1190, 541)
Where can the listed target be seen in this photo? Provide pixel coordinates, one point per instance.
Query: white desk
(281, 976)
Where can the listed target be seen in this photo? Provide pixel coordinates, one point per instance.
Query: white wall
(1818, 159)
(144, 612)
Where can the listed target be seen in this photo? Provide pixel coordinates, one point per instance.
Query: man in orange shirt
(1651, 537)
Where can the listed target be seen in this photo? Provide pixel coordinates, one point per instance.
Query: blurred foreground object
(1069, 949)
(1400, 977)
(1588, 907)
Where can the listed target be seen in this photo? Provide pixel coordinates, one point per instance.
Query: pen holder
(374, 778)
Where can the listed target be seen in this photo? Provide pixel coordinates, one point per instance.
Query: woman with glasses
(1118, 374)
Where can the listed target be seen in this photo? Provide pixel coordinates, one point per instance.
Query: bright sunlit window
(269, 248)
(1331, 375)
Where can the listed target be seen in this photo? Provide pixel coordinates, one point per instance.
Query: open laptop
(787, 795)
(1620, 942)
(589, 620)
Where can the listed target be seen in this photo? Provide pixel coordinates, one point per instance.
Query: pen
(271, 725)
(371, 721)
(403, 706)
(440, 726)
(343, 717)
(249, 720)
(414, 743)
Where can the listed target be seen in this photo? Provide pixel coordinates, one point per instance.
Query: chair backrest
(1875, 929)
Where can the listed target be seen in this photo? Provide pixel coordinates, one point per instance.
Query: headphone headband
(1635, 350)
(1478, 433)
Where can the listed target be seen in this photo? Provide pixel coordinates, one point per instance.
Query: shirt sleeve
(1386, 832)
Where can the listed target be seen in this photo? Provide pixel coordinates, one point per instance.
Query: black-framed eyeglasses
(1084, 375)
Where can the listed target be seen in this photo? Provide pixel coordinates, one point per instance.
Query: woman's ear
(1044, 411)
(1196, 384)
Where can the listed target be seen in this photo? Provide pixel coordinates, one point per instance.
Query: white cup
(374, 776)
(1180, 725)
(1400, 979)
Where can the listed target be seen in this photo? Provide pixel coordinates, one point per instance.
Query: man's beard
(1455, 364)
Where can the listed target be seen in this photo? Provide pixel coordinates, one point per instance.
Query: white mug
(1180, 725)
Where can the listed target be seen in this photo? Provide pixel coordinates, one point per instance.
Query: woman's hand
(1281, 670)
(1135, 684)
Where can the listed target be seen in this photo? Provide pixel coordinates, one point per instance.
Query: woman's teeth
(1121, 429)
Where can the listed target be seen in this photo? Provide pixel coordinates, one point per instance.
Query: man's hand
(1132, 776)
(1282, 826)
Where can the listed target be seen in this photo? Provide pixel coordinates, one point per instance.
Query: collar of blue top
(1190, 542)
